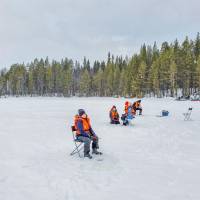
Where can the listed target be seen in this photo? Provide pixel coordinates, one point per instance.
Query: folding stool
(78, 144)
(187, 114)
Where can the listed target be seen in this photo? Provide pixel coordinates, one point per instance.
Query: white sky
(91, 28)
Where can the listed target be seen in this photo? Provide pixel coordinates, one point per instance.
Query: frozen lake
(157, 158)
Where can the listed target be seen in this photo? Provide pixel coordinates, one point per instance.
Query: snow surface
(157, 158)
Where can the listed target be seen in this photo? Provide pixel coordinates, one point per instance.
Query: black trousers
(140, 109)
(115, 122)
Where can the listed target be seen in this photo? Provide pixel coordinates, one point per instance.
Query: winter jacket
(84, 128)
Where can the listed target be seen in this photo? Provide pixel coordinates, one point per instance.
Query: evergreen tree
(85, 83)
(3, 82)
(187, 66)
(173, 79)
(152, 71)
(197, 46)
(155, 78)
(198, 75)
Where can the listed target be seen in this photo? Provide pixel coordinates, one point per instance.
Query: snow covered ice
(156, 158)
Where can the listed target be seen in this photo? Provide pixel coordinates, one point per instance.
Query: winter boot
(94, 151)
(87, 155)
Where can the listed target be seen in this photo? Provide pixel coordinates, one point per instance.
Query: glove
(93, 137)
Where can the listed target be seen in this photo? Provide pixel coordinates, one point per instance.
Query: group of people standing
(129, 112)
(85, 133)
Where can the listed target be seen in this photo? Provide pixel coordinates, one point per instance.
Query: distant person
(127, 104)
(85, 133)
(137, 106)
(129, 113)
(114, 116)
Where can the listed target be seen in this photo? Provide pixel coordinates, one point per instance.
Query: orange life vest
(114, 115)
(85, 122)
(136, 104)
(76, 118)
(133, 111)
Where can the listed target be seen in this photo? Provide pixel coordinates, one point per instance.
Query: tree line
(173, 68)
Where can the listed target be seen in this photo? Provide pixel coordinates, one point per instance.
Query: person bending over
(137, 106)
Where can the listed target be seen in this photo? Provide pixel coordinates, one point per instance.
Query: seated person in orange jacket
(114, 116)
(137, 106)
(85, 133)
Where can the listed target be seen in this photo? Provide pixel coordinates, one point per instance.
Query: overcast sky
(91, 28)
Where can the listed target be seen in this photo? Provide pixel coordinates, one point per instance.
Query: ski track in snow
(155, 158)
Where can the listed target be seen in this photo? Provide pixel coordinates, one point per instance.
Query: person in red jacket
(114, 116)
(127, 104)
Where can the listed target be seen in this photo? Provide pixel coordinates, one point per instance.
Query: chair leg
(79, 151)
(76, 150)
(187, 117)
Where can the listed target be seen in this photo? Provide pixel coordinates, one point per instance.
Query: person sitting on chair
(137, 106)
(114, 116)
(129, 113)
(85, 133)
